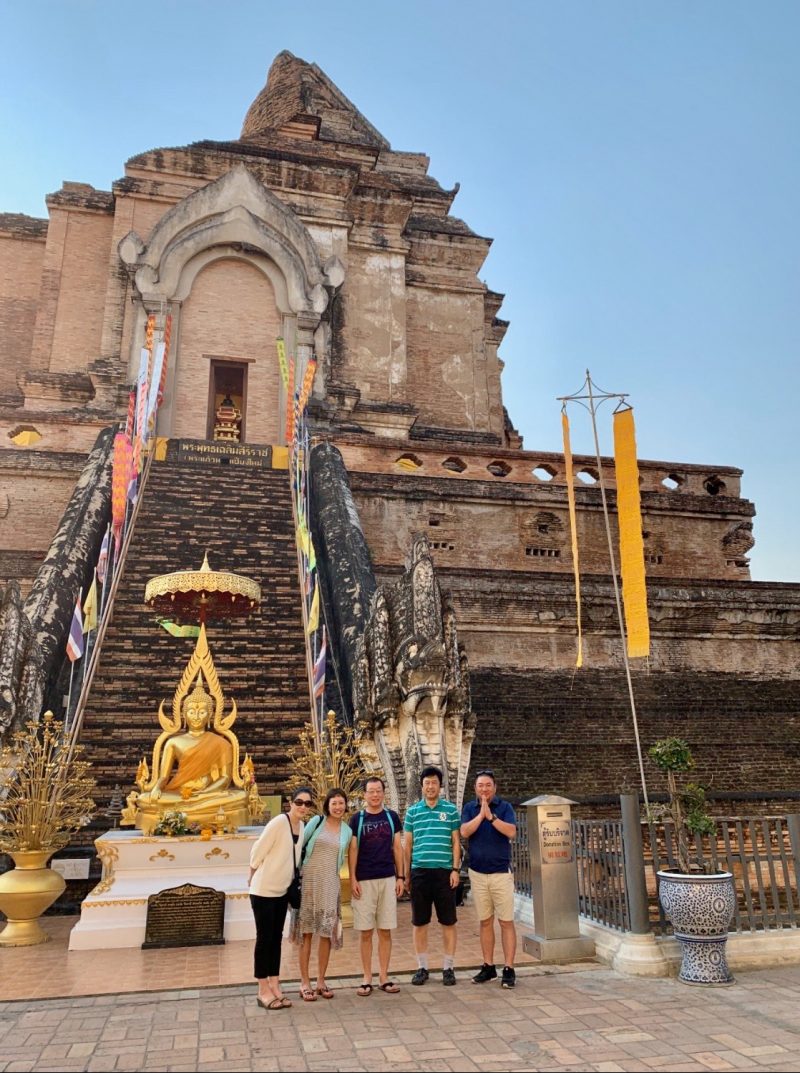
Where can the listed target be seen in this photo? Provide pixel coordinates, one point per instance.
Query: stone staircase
(243, 518)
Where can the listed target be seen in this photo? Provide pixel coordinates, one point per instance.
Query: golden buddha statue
(196, 767)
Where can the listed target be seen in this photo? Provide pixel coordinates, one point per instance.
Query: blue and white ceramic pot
(700, 908)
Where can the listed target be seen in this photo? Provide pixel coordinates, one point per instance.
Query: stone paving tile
(595, 1021)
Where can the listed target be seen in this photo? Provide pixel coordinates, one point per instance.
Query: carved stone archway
(232, 217)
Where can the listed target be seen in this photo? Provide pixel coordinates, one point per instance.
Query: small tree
(687, 804)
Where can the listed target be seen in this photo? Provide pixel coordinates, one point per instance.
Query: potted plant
(697, 900)
(45, 796)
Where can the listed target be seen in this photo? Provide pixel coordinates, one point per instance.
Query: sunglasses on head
(303, 801)
(485, 772)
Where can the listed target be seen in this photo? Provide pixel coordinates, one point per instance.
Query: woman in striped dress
(326, 839)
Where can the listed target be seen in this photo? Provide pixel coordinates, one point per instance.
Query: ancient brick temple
(310, 226)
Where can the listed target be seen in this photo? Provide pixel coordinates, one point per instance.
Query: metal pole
(617, 600)
(635, 882)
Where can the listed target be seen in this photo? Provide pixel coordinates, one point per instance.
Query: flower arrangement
(174, 824)
(45, 788)
(686, 807)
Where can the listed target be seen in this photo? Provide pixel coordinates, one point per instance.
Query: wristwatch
(492, 818)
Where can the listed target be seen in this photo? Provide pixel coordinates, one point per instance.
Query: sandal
(273, 1004)
(307, 995)
(285, 1002)
(325, 991)
(390, 987)
(363, 990)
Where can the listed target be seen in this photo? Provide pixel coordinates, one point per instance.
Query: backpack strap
(361, 824)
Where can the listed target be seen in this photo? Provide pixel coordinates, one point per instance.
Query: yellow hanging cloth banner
(284, 368)
(573, 528)
(631, 544)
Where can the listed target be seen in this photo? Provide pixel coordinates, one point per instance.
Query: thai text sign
(555, 840)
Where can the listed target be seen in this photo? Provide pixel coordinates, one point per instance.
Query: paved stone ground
(584, 1019)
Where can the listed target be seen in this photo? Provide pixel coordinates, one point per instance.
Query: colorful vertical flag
(631, 544)
(313, 615)
(75, 639)
(120, 479)
(167, 336)
(284, 368)
(573, 527)
(102, 561)
(90, 608)
(319, 668)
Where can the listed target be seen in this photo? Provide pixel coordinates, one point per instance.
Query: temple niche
(411, 691)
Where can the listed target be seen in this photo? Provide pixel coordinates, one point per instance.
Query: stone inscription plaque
(185, 916)
(555, 839)
(214, 453)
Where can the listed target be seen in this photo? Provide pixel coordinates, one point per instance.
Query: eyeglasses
(304, 801)
(478, 774)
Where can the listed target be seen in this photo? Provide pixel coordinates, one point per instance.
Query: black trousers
(270, 915)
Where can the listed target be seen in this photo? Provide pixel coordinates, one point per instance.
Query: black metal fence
(617, 862)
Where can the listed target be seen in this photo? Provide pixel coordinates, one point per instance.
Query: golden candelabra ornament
(46, 796)
(334, 762)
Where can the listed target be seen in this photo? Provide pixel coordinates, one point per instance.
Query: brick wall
(572, 734)
(20, 273)
(231, 312)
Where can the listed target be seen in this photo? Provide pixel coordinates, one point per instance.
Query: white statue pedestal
(135, 866)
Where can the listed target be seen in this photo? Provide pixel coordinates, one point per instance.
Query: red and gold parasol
(200, 596)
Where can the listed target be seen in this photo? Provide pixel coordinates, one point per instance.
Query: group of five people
(386, 859)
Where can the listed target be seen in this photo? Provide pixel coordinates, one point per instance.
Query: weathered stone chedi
(311, 226)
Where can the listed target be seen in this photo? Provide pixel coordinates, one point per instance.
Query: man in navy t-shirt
(376, 881)
(490, 824)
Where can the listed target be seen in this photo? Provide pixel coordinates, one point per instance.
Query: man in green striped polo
(432, 862)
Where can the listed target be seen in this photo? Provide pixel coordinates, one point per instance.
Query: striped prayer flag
(319, 668)
(102, 562)
(75, 639)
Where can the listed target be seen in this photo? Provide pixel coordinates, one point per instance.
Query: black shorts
(429, 887)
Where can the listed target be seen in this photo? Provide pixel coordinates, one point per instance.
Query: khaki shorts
(492, 894)
(377, 906)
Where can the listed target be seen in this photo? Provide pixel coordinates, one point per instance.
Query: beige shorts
(377, 906)
(492, 894)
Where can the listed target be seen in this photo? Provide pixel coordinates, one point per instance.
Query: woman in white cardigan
(273, 860)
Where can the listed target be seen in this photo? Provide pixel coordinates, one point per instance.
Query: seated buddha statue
(195, 773)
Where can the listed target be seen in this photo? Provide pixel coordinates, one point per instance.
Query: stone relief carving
(411, 684)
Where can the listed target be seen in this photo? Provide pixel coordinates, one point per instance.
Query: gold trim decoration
(163, 853)
(108, 856)
(217, 852)
(112, 901)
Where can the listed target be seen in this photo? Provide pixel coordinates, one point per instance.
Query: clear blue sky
(637, 164)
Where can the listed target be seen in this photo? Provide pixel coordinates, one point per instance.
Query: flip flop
(325, 992)
(273, 1004)
(363, 990)
(390, 987)
(307, 994)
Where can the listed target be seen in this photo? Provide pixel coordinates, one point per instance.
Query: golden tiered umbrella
(192, 596)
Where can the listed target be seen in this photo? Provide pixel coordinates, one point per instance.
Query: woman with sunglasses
(326, 841)
(273, 861)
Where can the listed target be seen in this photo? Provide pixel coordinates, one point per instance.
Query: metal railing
(520, 854)
(762, 853)
(600, 860)
(617, 861)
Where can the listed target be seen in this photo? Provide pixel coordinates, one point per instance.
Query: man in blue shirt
(490, 824)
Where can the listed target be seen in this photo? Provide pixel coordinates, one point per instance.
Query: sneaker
(509, 977)
(420, 977)
(448, 978)
(488, 972)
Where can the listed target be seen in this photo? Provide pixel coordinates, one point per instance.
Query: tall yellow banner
(631, 544)
(573, 528)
